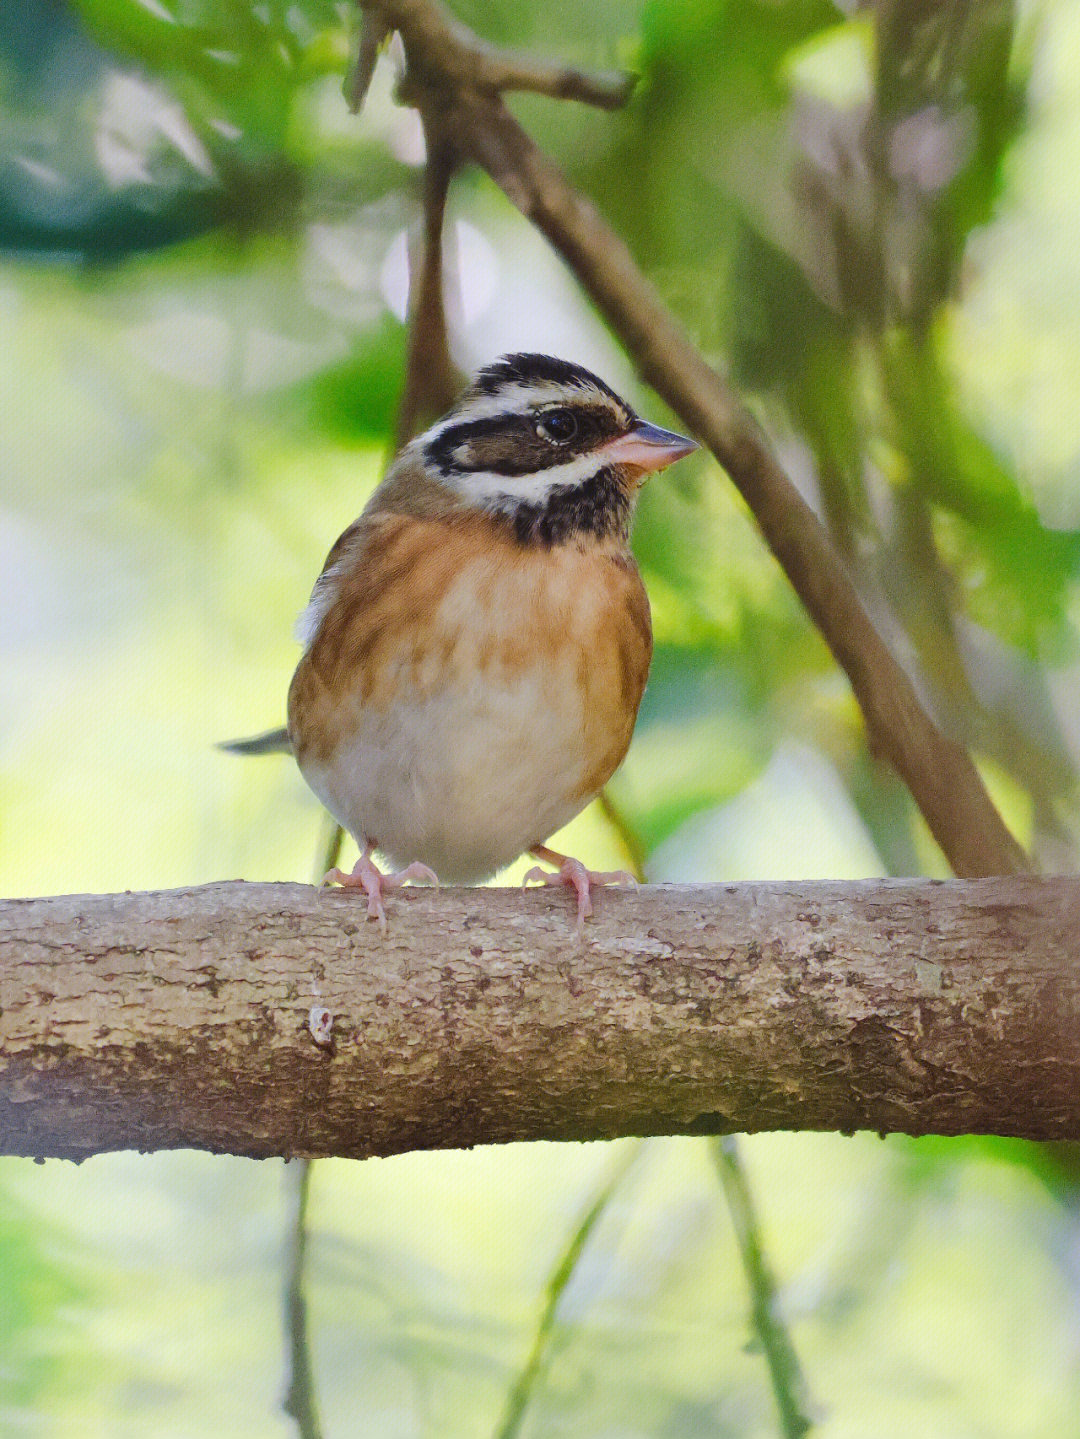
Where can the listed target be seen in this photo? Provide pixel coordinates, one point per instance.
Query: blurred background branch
(788, 1383)
(300, 1402)
(523, 1391)
(443, 52)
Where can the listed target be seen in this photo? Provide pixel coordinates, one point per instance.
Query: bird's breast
(473, 699)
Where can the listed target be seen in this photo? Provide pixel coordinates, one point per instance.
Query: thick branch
(183, 1018)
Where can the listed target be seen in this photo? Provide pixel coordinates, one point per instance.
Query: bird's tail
(274, 741)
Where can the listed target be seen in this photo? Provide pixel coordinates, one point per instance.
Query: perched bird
(477, 645)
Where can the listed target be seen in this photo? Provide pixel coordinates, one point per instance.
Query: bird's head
(550, 447)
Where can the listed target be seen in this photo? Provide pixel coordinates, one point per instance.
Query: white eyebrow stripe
(517, 400)
(531, 489)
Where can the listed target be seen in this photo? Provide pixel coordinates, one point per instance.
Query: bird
(476, 647)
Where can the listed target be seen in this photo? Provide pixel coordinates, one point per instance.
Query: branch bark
(444, 71)
(182, 1019)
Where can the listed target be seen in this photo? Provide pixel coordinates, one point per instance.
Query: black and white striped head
(549, 446)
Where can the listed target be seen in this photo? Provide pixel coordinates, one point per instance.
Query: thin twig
(525, 1385)
(431, 380)
(442, 50)
(789, 1386)
(607, 89)
(374, 29)
(628, 836)
(299, 1402)
(333, 837)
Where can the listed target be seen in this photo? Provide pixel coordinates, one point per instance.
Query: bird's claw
(367, 876)
(573, 874)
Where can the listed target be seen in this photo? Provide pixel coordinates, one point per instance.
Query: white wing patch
(322, 597)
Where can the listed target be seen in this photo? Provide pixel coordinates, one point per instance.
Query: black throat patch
(599, 507)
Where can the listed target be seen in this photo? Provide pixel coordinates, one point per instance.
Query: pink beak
(646, 448)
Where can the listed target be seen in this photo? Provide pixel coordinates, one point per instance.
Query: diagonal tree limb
(946, 785)
(940, 774)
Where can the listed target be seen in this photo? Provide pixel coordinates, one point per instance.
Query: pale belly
(465, 778)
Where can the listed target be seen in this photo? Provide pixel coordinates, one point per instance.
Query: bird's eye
(557, 426)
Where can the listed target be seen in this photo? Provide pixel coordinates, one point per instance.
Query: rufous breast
(463, 695)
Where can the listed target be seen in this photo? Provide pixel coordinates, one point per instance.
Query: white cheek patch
(485, 487)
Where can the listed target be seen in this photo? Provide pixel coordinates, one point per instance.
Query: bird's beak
(646, 448)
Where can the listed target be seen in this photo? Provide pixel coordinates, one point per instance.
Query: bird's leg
(367, 875)
(573, 874)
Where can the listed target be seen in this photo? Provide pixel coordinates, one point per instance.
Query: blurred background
(868, 216)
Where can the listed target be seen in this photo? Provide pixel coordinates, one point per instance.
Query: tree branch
(517, 1401)
(431, 381)
(444, 52)
(299, 1402)
(374, 30)
(183, 1019)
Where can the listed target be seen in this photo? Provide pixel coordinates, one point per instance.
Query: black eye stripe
(440, 451)
(509, 444)
(476, 429)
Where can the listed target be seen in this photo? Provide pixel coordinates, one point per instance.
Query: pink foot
(573, 874)
(367, 875)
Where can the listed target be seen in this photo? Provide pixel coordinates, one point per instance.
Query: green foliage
(866, 217)
(43, 1285)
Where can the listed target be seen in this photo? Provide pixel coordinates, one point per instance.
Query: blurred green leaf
(43, 1283)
